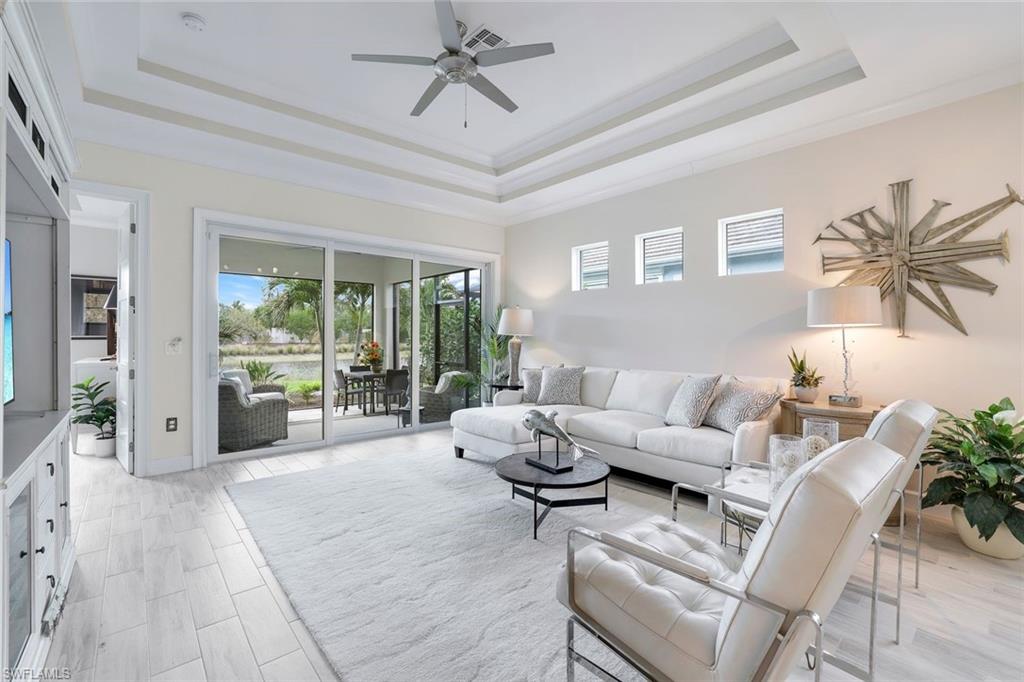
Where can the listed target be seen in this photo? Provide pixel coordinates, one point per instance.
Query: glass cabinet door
(19, 588)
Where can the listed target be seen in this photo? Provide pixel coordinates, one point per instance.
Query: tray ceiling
(636, 93)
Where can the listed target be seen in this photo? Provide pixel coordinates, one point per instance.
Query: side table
(853, 421)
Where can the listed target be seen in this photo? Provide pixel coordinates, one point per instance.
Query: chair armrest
(751, 441)
(508, 398)
(655, 557)
(269, 388)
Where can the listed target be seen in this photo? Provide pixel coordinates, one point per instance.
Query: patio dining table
(369, 381)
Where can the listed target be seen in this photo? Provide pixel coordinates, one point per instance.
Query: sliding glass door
(392, 343)
(270, 344)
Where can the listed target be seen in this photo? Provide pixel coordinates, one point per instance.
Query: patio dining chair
(344, 389)
(396, 385)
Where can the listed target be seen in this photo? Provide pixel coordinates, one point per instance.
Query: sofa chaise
(622, 416)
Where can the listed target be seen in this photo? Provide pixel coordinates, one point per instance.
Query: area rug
(421, 566)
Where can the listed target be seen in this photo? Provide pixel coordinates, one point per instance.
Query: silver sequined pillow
(560, 386)
(737, 403)
(692, 401)
(531, 384)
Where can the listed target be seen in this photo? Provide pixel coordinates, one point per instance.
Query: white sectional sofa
(622, 416)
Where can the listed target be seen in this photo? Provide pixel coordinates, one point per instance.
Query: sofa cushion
(692, 401)
(531, 384)
(703, 445)
(560, 386)
(505, 424)
(615, 427)
(651, 609)
(641, 391)
(596, 385)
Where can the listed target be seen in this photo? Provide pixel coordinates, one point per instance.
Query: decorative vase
(806, 394)
(1002, 545)
(785, 455)
(376, 367)
(826, 429)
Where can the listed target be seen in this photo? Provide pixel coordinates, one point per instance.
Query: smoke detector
(193, 22)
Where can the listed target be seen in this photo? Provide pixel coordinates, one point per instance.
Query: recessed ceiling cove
(611, 96)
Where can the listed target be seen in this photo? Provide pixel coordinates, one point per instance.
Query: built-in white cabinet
(38, 548)
(36, 552)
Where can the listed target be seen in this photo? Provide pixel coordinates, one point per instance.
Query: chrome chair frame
(689, 572)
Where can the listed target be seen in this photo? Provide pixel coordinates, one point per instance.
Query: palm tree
(282, 295)
(353, 303)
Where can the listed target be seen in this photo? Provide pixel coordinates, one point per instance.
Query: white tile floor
(169, 585)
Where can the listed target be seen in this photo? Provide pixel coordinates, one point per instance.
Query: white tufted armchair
(678, 606)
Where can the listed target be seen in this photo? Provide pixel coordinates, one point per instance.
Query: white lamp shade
(853, 306)
(516, 322)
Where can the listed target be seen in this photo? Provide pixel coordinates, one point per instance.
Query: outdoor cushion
(236, 384)
(615, 427)
(271, 395)
(242, 376)
(703, 445)
(647, 392)
(505, 423)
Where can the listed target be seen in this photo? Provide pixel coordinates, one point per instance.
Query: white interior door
(127, 257)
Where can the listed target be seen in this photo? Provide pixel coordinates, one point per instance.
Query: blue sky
(245, 288)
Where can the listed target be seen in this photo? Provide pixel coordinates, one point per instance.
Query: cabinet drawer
(46, 470)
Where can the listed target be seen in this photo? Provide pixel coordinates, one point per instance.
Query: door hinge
(131, 446)
(131, 302)
(132, 228)
(131, 374)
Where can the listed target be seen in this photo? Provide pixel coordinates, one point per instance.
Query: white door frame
(142, 332)
(207, 222)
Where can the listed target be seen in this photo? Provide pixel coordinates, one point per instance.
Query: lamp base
(841, 400)
(515, 346)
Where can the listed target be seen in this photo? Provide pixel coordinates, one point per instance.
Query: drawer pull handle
(49, 465)
(41, 550)
(49, 522)
(22, 554)
(53, 581)
(63, 504)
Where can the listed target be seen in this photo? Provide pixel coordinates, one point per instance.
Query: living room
(700, 359)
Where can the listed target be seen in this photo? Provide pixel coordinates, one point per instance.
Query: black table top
(586, 471)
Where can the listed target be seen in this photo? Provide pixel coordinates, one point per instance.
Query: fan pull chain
(465, 106)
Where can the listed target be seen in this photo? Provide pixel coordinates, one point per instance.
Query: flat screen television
(8, 327)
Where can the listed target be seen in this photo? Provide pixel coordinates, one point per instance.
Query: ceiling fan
(455, 66)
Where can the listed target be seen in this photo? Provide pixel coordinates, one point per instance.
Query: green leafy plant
(803, 376)
(983, 459)
(93, 409)
(260, 372)
(495, 344)
(305, 389)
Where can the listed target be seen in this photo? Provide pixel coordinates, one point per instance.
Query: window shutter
(594, 267)
(663, 257)
(754, 244)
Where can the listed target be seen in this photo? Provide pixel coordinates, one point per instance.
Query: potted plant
(261, 373)
(372, 354)
(983, 462)
(94, 409)
(806, 380)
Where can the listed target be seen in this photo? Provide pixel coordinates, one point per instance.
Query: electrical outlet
(172, 423)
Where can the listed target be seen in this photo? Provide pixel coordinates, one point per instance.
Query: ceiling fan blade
(504, 55)
(432, 91)
(393, 59)
(450, 36)
(491, 92)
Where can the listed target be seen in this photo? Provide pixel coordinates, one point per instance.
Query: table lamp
(515, 322)
(852, 306)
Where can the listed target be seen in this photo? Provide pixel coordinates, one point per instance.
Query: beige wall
(176, 188)
(962, 153)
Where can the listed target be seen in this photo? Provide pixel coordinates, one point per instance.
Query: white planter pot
(806, 394)
(92, 445)
(1002, 545)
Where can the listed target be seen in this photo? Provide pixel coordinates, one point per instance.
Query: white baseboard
(167, 465)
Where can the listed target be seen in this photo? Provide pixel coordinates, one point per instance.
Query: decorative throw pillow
(560, 386)
(692, 401)
(736, 403)
(531, 384)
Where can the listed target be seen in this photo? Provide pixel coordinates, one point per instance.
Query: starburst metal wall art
(897, 257)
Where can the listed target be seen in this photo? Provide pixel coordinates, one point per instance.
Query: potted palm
(983, 459)
(92, 408)
(806, 380)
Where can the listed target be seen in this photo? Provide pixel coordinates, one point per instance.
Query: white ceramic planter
(92, 445)
(806, 394)
(1002, 545)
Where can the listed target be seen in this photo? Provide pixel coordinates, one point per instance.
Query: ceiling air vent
(483, 38)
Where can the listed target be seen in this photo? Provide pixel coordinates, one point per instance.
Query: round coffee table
(586, 471)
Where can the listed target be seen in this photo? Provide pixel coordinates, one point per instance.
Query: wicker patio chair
(245, 424)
